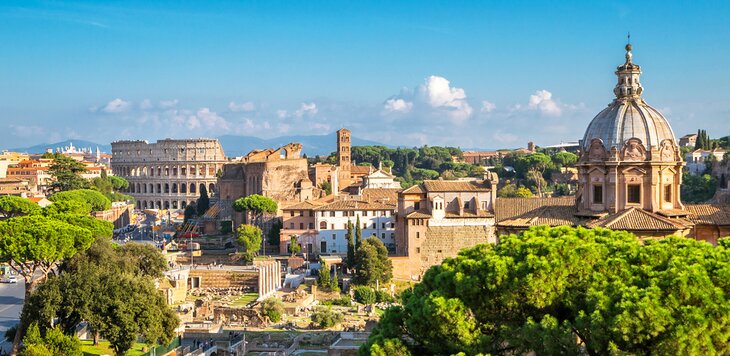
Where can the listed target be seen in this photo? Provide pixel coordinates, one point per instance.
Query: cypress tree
(358, 234)
(350, 245)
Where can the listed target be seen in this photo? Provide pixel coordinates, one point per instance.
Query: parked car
(12, 279)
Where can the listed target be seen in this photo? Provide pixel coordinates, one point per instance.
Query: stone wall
(440, 242)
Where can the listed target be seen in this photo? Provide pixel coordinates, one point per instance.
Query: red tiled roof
(510, 208)
(456, 186)
(637, 219)
(415, 189)
(708, 214)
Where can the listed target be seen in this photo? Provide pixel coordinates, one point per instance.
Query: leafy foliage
(511, 190)
(255, 203)
(698, 188)
(203, 202)
(350, 262)
(112, 288)
(11, 206)
(249, 237)
(67, 173)
(53, 343)
(365, 295)
(273, 308)
(325, 317)
(294, 246)
(95, 199)
(568, 291)
(372, 262)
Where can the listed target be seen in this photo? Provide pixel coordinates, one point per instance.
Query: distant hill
(77, 143)
(312, 145)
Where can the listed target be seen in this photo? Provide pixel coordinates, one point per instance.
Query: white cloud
(27, 131)
(439, 94)
(168, 104)
(282, 114)
(543, 101)
(248, 124)
(308, 109)
(236, 107)
(488, 106)
(398, 105)
(116, 106)
(146, 104)
(211, 119)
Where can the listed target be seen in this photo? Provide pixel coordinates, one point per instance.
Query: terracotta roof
(419, 214)
(415, 189)
(469, 214)
(456, 186)
(708, 214)
(360, 169)
(356, 205)
(510, 208)
(637, 219)
(381, 194)
(305, 205)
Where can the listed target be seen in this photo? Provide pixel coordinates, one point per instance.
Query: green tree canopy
(69, 206)
(95, 199)
(11, 206)
(53, 343)
(350, 244)
(373, 263)
(67, 173)
(698, 188)
(34, 245)
(568, 291)
(203, 202)
(249, 237)
(294, 246)
(564, 159)
(273, 308)
(112, 288)
(511, 190)
(257, 204)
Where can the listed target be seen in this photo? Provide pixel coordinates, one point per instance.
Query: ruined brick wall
(440, 242)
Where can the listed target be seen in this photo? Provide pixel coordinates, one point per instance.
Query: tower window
(668, 193)
(597, 194)
(633, 193)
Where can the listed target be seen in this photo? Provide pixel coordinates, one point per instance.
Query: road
(11, 304)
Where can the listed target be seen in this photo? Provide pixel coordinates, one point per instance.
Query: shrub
(326, 317)
(365, 295)
(382, 296)
(273, 308)
(344, 301)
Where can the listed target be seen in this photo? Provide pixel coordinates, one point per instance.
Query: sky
(487, 74)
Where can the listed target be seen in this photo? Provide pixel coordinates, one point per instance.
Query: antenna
(629, 37)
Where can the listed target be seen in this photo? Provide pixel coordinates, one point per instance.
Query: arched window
(323, 225)
(183, 188)
(159, 188)
(192, 187)
(167, 188)
(174, 204)
(184, 204)
(211, 188)
(167, 205)
(174, 187)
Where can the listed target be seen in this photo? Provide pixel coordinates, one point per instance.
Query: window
(332, 226)
(334, 236)
(418, 234)
(392, 235)
(597, 194)
(323, 225)
(323, 246)
(418, 250)
(668, 193)
(311, 225)
(301, 226)
(311, 213)
(633, 193)
(291, 213)
(382, 236)
(383, 225)
(365, 213)
(466, 205)
(291, 226)
(301, 212)
(417, 205)
(332, 214)
(392, 225)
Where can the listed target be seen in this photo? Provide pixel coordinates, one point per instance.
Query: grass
(245, 299)
(104, 348)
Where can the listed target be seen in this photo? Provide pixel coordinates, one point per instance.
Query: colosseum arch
(192, 188)
(183, 188)
(174, 187)
(167, 188)
(159, 188)
(183, 204)
(211, 189)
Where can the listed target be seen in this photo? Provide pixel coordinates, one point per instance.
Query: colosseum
(168, 174)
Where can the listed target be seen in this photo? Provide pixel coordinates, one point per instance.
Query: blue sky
(471, 74)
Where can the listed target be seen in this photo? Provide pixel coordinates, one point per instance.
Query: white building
(697, 159)
(380, 179)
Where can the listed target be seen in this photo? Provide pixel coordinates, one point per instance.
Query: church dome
(628, 116)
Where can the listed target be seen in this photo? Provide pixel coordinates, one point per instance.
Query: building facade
(168, 174)
(698, 160)
(438, 218)
(630, 174)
